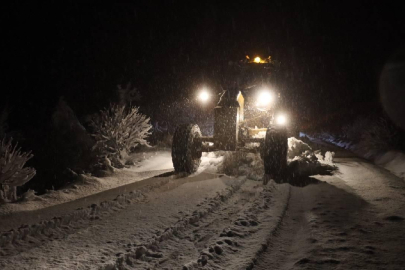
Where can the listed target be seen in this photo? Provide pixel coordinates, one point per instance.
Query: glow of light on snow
(281, 119)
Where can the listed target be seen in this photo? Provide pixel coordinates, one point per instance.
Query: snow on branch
(118, 129)
(12, 171)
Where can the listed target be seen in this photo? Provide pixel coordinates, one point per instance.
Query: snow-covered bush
(117, 129)
(12, 171)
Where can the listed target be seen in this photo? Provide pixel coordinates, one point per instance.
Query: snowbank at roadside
(299, 150)
(147, 165)
(296, 147)
(392, 160)
(210, 161)
(302, 161)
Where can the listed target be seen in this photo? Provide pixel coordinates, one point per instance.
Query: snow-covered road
(352, 219)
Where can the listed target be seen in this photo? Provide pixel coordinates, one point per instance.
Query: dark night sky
(331, 52)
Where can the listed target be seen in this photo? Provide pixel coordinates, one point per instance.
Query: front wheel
(274, 154)
(186, 150)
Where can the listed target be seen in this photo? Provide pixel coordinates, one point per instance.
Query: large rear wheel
(186, 150)
(274, 154)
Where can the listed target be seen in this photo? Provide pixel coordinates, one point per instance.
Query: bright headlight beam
(264, 98)
(204, 96)
(257, 60)
(281, 119)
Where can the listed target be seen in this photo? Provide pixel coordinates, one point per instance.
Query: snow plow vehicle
(247, 118)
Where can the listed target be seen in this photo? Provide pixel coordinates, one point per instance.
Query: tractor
(247, 117)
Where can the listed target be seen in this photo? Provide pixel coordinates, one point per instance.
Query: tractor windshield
(249, 73)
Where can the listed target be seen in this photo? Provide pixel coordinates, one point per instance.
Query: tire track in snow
(239, 245)
(147, 251)
(229, 232)
(187, 244)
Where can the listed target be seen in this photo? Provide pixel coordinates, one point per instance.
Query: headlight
(264, 99)
(281, 119)
(204, 95)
